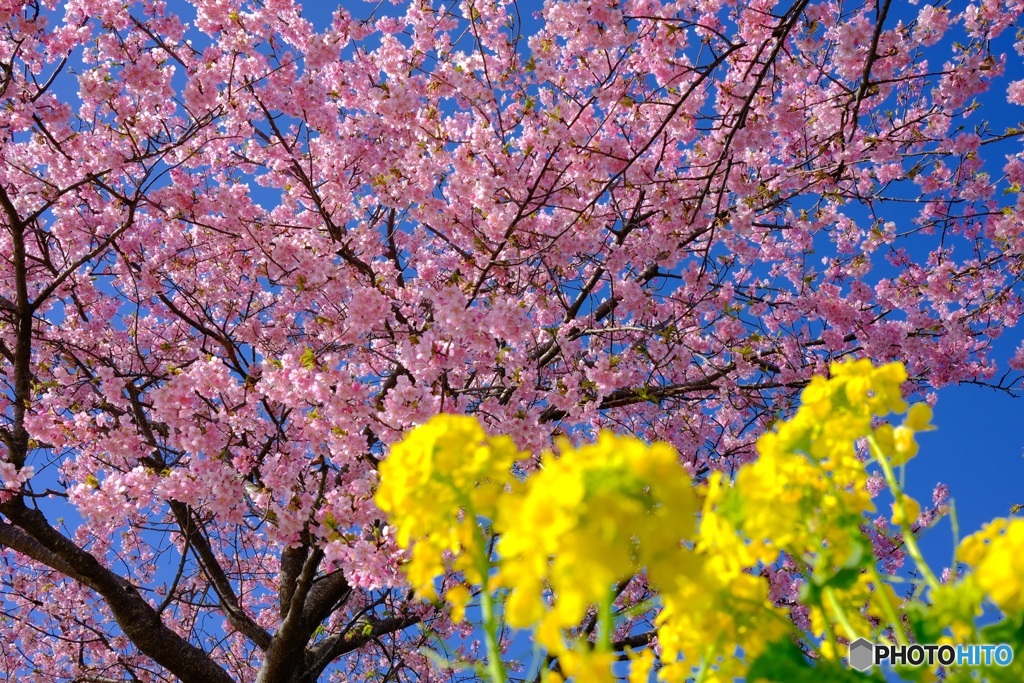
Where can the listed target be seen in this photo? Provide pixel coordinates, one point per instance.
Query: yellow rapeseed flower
(715, 620)
(593, 515)
(589, 517)
(905, 510)
(994, 553)
(434, 485)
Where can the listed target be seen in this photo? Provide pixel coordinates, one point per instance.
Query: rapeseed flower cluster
(715, 622)
(806, 497)
(808, 487)
(591, 516)
(435, 486)
(995, 553)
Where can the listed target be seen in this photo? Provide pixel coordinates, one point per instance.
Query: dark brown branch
(36, 538)
(324, 597)
(203, 552)
(287, 648)
(630, 396)
(335, 646)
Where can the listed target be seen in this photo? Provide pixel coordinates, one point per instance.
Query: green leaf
(926, 628)
(308, 359)
(847, 575)
(783, 662)
(1009, 630)
(913, 673)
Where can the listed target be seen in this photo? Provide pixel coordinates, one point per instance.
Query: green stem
(887, 607)
(908, 534)
(830, 632)
(495, 667)
(844, 621)
(605, 624)
(955, 523)
(482, 563)
(703, 670)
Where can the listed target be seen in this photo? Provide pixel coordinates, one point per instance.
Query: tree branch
(136, 618)
(203, 552)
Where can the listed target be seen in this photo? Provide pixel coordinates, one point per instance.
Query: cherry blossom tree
(243, 252)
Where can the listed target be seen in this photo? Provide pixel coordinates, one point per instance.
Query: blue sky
(978, 451)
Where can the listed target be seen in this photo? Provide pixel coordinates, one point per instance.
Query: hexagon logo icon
(862, 654)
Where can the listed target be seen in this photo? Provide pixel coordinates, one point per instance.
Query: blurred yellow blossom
(905, 511)
(995, 554)
(593, 516)
(589, 517)
(434, 485)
